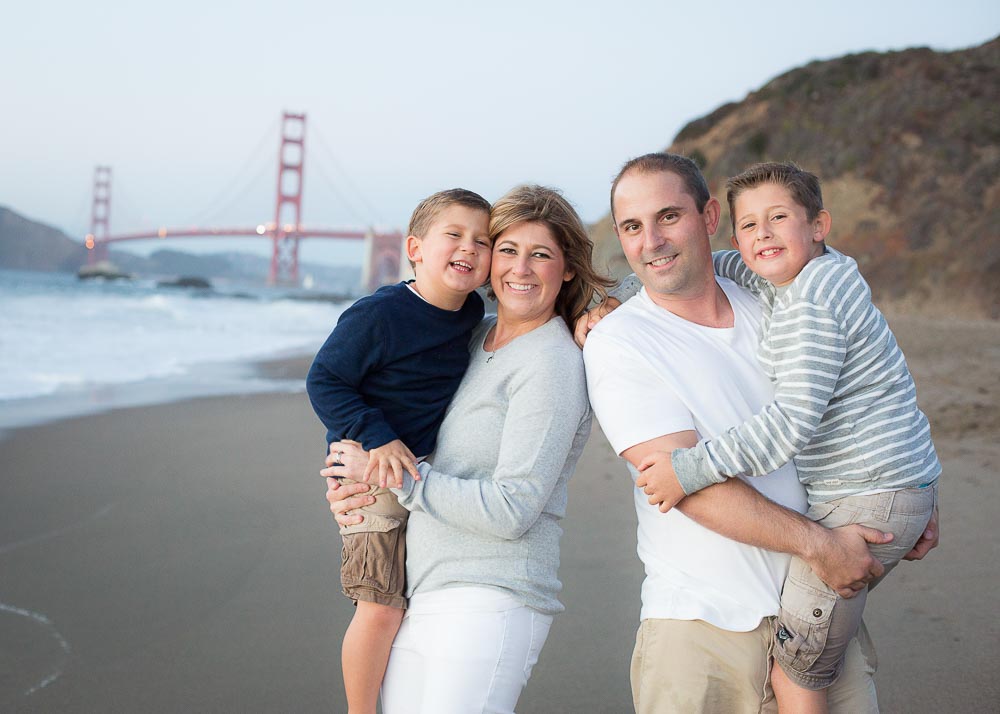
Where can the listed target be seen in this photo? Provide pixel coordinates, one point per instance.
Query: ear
(413, 249)
(569, 275)
(822, 226)
(711, 215)
(733, 242)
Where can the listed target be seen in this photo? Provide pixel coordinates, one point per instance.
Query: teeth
(462, 264)
(520, 287)
(769, 252)
(662, 261)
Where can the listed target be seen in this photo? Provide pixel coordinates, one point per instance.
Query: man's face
(664, 237)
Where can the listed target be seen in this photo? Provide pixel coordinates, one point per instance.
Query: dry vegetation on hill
(907, 145)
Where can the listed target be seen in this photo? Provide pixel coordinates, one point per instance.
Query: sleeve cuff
(629, 287)
(406, 491)
(693, 469)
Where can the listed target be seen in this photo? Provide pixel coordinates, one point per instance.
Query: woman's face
(528, 271)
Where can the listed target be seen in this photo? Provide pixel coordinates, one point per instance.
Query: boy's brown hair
(428, 209)
(802, 185)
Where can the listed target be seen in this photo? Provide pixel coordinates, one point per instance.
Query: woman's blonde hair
(540, 204)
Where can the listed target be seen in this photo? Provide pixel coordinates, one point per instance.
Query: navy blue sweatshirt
(390, 368)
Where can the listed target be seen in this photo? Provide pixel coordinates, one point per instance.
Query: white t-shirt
(651, 373)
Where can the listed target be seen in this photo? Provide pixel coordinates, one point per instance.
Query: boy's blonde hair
(802, 185)
(546, 206)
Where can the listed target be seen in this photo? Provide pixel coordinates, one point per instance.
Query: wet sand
(181, 557)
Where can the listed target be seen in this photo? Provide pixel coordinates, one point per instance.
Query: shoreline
(181, 556)
(277, 374)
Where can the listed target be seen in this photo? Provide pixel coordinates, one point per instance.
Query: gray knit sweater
(488, 508)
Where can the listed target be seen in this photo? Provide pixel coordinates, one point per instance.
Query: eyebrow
(667, 209)
(767, 209)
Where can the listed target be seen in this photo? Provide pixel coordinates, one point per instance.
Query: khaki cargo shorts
(373, 558)
(815, 624)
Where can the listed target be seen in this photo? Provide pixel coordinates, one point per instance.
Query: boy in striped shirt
(844, 409)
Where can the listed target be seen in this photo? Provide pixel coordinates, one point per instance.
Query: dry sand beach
(181, 558)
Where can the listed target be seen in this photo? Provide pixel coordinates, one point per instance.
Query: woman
(483, 534)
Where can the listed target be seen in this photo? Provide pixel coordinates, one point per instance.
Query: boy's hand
(658, 481)
(589, 319)
(392, 458)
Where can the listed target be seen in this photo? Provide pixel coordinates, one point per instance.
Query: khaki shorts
(373, 558)
(815, 624)
(691, 666)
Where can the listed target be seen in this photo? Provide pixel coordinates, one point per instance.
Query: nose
(654, 238)
(763, 231)
(522, 265)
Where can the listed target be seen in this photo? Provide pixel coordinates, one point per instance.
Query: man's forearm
(839, 557)
(740, 513)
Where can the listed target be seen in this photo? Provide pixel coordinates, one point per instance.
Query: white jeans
(465, 650)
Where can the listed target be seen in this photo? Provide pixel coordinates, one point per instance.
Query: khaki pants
(690, 666)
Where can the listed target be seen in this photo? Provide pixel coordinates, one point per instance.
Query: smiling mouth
(519, 287)
(769, 252)
(660, 262)
(461, 266)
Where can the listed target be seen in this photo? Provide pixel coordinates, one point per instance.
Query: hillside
(27, 245)
(907, 145)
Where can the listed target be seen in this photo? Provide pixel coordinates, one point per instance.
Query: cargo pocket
(803, 626)
(368, 560)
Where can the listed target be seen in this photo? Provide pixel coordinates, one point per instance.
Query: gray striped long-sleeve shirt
(845, 405)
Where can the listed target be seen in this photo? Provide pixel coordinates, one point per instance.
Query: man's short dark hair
(662, 162)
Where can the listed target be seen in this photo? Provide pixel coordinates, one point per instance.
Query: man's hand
(658, 480)
(928, 539)
(589, 319)
(392, 458)
(842, 560)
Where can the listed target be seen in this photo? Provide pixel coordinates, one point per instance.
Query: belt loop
(884, 505)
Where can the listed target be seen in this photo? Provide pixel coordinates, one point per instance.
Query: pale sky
(183, 99)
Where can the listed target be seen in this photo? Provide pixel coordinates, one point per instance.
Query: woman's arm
(546, 424)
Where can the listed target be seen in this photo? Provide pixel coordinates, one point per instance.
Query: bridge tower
(288, 207)
(383, 260)
(100, 216)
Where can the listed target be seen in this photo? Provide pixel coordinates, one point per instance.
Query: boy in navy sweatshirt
(384, 378)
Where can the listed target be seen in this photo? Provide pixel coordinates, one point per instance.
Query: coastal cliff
(907, 146)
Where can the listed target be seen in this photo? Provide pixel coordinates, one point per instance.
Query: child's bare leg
(793, 699)
(366, 653)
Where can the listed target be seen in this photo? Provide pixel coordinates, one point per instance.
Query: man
(677, 363)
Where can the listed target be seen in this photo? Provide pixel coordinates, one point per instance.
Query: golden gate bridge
(383, 251)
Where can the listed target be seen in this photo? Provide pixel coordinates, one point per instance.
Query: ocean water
(69, 347)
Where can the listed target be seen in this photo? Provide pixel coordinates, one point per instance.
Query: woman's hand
(344, 499)
(346, 459)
